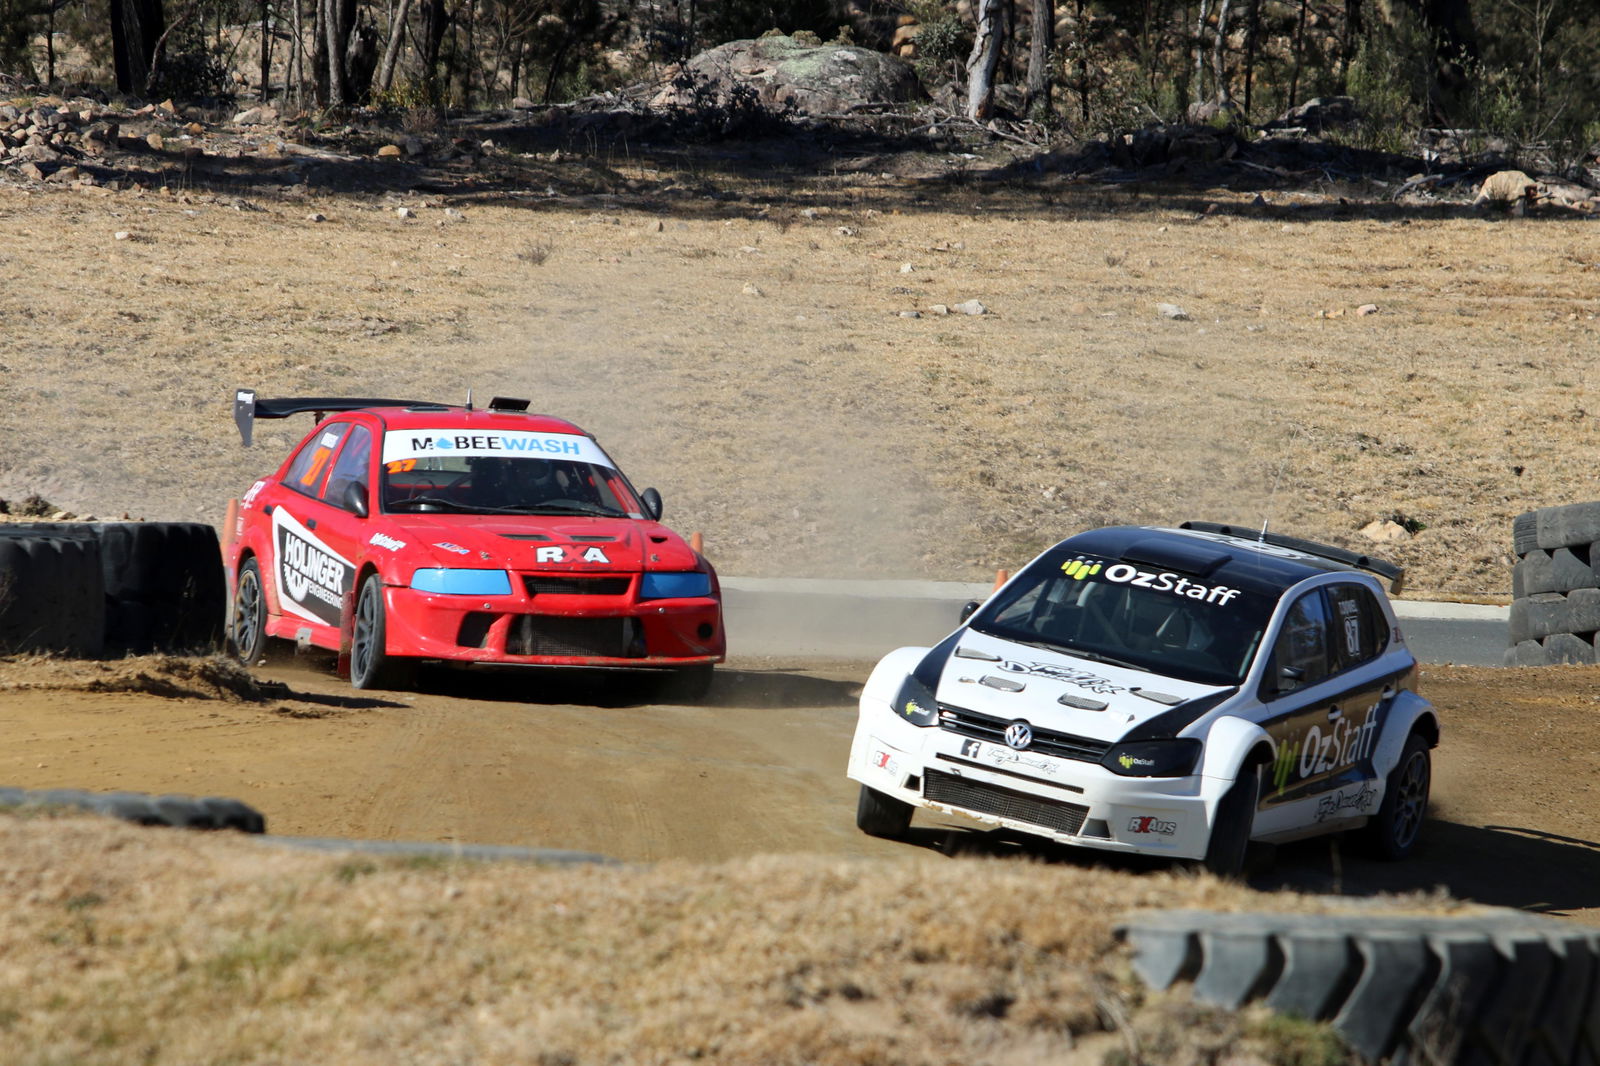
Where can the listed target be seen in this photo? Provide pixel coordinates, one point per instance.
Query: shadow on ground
(1502, 866)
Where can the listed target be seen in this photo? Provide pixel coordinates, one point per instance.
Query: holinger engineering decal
(312, 578)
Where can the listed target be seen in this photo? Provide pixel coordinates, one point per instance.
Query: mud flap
(347, 632)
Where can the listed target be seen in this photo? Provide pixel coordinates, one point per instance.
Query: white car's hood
(1013, 681)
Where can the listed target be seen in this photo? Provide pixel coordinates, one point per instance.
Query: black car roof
(1219, 558)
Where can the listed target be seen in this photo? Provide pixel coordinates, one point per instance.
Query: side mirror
(355, 499)
(652, 504)
(968, 608)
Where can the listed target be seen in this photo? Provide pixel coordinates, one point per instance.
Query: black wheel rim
(362, 650)
(247, 615)
(1411, 799)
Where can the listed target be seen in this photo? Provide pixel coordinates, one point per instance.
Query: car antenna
(469, 397)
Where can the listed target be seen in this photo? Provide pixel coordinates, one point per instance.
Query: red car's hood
(565, 544)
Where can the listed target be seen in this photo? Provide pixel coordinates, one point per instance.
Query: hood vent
(524, 536)
(589, 537)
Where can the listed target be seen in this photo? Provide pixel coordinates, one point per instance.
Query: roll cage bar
(1394, 573)
(247, 407)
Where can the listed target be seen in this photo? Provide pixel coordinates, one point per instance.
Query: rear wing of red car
(247, 408)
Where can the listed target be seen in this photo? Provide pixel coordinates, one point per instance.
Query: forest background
(1520, 80)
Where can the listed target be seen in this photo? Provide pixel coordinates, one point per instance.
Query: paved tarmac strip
(866, 619)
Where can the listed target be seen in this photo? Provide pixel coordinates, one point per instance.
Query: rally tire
(247, 628)
(1230, 833)
(165, 586)
(52, 596)
(882, 816)
(1525, 533)
(1393, 832)
(1565, 526)
(687, 684)
(371, 665)
(178, 812)
(1502, 986)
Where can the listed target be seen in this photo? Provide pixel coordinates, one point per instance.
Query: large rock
(815, 79)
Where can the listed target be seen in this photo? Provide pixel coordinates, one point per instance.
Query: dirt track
(757, 769)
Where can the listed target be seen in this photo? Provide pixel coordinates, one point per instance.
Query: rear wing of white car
(1395, 574)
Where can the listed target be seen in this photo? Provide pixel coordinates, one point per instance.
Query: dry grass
(121, 945)
(810, 429)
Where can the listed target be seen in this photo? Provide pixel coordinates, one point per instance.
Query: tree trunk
(1041, 53)
(984, 60)
(266, 50)
(297, 59)
(136, 27)
(435, 21)
(1200, 51)
(50, 46)
(339, 20)
(1219, 52)
(319, 52)
(1251, 33)
(391, 52)
(1299, 50)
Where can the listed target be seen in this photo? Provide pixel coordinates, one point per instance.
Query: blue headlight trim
(462, 582)
(674, 585)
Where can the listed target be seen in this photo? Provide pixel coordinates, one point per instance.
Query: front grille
(543, 634)
(1066, 818)
(967, 723)
(575, 586)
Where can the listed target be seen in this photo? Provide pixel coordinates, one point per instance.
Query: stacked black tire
(1555, 588)
(178, 812)
(91, 589)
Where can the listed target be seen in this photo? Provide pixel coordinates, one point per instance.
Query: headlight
(1153, 758)
(916, 704)
(674, 586)
(462, 582)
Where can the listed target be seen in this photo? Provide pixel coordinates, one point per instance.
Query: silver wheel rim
(247, 614)
(361, 642)
(1411, 799)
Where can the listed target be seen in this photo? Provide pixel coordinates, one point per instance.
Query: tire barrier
(178, 812)
(165, 587)
(52, 592)
(1555, 586)
(1504, 986)
(113, 588)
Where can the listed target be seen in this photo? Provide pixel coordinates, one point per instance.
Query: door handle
(311, 523)
(1334, 712)
(268, 509)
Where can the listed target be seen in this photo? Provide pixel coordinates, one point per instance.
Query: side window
(1360, 631)
(310, 464)
(352, 466)
(1300, 656)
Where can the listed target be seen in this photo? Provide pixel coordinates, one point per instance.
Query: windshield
(1166, 623)
(420, 475)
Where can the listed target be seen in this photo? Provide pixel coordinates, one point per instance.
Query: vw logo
(1019, 735)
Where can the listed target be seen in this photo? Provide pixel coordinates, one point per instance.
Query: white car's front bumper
(1065, 800)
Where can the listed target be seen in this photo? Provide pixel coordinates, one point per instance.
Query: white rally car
(1173, 692)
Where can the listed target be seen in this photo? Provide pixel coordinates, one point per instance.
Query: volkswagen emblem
(1019, 735)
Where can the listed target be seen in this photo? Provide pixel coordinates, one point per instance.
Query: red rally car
(399, 532)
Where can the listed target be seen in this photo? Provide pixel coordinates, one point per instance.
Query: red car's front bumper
(555, 630)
